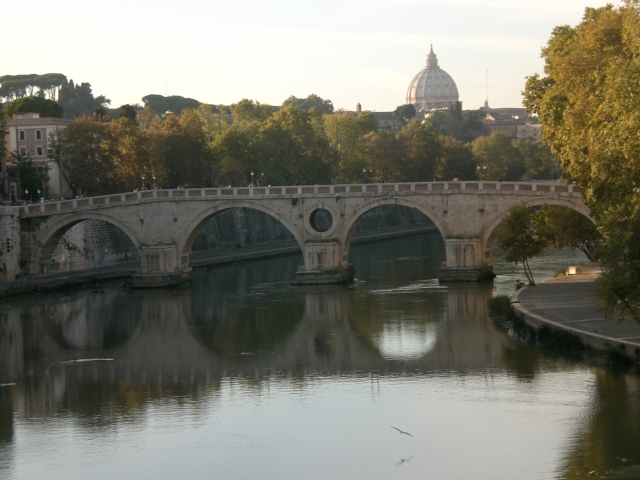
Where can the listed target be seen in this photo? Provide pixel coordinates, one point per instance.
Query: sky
(348, 51)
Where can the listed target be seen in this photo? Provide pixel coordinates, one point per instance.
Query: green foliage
(18, 86)
(320, 105)
(31, 177)
(128, 111)
(174, 103)
(539, 162)
(518, 238)
(405, 112)
(453, 122)
(587, 105)
(457, 162)
(562, 227)
(46, 108)
(498, 158)
(86, 159)
(78, 100)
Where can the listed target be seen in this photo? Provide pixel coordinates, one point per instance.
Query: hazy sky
(349, 51)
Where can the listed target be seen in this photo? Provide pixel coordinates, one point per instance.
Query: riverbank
(568, 304)
(58, 281)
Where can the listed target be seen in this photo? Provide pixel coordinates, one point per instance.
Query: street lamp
(154, 181)
(364, 175)
(142, 177)
(261, 178)
(252, 178)
(26, 192)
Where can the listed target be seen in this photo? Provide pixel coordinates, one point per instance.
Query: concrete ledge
(161, 280)
(629, 346)
(317, 277)
(477, 274)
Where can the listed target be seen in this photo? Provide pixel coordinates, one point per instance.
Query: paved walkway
(569, 303)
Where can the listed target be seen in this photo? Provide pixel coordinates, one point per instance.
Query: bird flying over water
(401, 432)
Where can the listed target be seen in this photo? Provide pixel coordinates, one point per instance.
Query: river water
(242, 376)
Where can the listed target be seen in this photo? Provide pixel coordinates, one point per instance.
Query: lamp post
(364, 175)
(252, 178)
(26, 193)
(154, 181)
(142, 177)
(261, 178)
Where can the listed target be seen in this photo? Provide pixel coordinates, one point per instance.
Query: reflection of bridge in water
(160, 340)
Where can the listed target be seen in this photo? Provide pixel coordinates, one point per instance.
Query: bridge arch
(48, 240)
(491, 229)
(195, 225)
(354, 219)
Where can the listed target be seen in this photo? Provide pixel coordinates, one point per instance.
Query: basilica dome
(432, 87)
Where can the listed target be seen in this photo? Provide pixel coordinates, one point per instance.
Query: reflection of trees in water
(609, 432)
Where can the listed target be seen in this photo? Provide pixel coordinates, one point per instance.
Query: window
(38, 134)
(39, 150)
(23, 136)
(23, 151)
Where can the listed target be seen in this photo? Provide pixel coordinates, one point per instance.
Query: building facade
(28, 134)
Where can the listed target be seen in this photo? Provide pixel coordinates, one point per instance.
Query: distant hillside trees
(78, 99)
(43, 106)
(18, 86)
(319, 104)
(174, 103)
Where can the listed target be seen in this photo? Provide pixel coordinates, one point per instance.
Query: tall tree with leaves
(587, 104)
(518, 238)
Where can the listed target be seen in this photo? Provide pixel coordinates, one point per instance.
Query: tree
(320, 105)
(498, 158)
(344, 132)
(128, 111)
(519, 240)
(44, 86)
(562, 227)
(405, 112)
(539, 162)
(46, 108)
(78, 100)
(587, 104)
(423, 153)
(457, 161)
(87, 157)
(453, 122)
(30, 177)
(174, 103)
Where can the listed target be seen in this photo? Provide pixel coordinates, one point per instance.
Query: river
(243, 376)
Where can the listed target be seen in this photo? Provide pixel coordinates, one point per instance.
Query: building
(532, 131)
(504, 120)
(28, 134)
(432, 88)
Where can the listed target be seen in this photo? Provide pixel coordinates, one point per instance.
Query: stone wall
(9, 244)
(92, 244)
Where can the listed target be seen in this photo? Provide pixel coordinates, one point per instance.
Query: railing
(311, 190)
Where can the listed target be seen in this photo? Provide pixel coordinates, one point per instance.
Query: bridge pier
(161, 267)
(465, 262)
(323, 263)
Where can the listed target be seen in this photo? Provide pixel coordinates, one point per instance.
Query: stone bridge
(162, 224)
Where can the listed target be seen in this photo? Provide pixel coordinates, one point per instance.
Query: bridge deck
(300, 191)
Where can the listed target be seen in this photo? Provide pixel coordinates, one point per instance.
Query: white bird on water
(401, 432)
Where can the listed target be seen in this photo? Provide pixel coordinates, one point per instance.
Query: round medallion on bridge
(321, 219)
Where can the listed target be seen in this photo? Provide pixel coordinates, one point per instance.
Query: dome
(432, 87)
